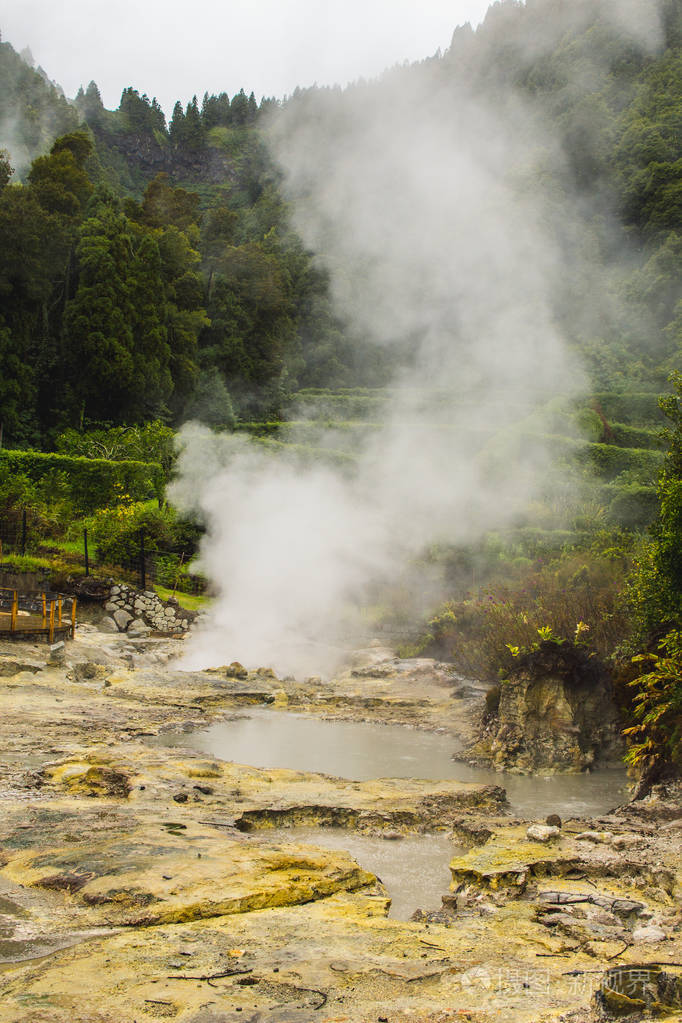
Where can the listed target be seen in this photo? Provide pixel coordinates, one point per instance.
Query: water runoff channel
(414, 869)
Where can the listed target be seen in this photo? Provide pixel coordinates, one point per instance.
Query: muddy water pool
(361, 750)
(413, 869)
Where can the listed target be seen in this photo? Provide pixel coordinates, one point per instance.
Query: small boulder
(85, 671)
(236, 670)
(122, 619)
(108, 625)
(598, 837)
(57, 653)
(542, 833)
(553, 820)
(138, 627)
(648, 935)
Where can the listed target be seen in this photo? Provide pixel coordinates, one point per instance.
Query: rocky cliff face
(145, 154)
(556, 713)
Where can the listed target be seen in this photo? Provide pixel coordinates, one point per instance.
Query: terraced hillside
(606, 449)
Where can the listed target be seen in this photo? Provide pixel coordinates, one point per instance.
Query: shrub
(633, 507)
(115, 532)
(576, 598)
(153, 442)
(47, 506)
(609, 461)
(657, 734)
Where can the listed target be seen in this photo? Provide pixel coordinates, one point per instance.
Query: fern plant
(658, 706)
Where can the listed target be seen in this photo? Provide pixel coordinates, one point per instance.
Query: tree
(98, 333)
(59, 181)
(164, 205)
(210, 402)
(90, 105)
(141, 115)
(6, 168)
(193, 134)
(176, 127)
(150, 349)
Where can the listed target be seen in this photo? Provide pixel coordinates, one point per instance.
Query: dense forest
(213, 305)
(150, 274)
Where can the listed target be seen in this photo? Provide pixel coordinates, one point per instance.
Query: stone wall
(138, 612)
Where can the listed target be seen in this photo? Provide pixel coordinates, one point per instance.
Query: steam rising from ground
(425, 202)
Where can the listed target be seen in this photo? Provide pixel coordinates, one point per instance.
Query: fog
(425, 200)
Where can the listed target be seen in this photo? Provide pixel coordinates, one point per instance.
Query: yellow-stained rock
(154, 874)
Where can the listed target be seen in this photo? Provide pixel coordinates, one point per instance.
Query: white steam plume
(426, 203)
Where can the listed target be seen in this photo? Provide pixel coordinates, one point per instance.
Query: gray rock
(108, 625)
(86, 671)
(649, 934)
(598, 837)
(138, 628)
(57, 653)
(542, 832)
(122, 619)
(110, 605)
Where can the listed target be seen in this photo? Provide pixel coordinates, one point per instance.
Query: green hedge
(609, 461)
(262, 429)
(92, 482)
(636, 437)
(343, 406)
(633, 409)
(633, 507)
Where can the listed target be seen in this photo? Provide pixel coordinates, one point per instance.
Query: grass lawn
(192, 601)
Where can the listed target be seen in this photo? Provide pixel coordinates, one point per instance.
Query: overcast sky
(174, 48)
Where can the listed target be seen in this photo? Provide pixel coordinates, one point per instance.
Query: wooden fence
(28, 615)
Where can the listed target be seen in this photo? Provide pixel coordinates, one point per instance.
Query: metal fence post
(23, 531)
(143, 569)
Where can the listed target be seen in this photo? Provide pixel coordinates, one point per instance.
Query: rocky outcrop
(145, 154)
(138, 612)
(556, 713)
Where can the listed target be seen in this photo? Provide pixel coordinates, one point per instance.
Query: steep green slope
(245, 319)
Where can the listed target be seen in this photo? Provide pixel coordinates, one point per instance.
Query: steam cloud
(424, 200)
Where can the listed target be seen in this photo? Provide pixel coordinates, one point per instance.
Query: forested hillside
(149, 269)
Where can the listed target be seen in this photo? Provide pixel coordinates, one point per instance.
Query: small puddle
(361, 750)
(414, 870)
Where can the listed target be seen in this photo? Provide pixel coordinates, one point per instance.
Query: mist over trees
(139, 255)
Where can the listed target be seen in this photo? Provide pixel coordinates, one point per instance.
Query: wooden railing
(43, 612)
